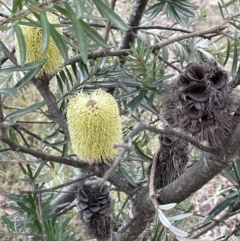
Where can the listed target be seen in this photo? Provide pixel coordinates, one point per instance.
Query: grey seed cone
(202, 103)
(171, 160)
(93, 202)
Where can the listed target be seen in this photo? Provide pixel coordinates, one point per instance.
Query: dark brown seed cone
(200, 102)
(171, 160)
(94, 207)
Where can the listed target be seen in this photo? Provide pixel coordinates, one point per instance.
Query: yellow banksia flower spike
(94, 126)
(33, 39)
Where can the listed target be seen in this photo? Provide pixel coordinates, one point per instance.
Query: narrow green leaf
(159, 81)
(228, 51)
(60, 84)
(79, 33)
(30, 74)
(13, 136)
(17, 5)
(8, 222)
(61, 10)
(25, 208)
(111, 15)
(70, 76)
(21, 43)
(57, 38)
(59, 143)
(126, 176)
(79, 8)
(155, 10)
(183, 10)
(26, 67)
(39, 169)
(221, 11)
(220, 207)
(189, 5)
(94, 35)
(45, 31)
(65, 150)
(140, 153)
(8, 92)
(128, 94)
(134, 103)
(235, 58)
(26, 110)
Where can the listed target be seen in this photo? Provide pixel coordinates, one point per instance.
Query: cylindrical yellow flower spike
(94, 125)
(33, 39)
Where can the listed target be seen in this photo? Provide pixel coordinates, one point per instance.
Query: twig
(34, 122)
(43, 88)
(170, 64)
(167, 131)
(108, 25)
(66, 209)
(126, 226)
(152, 194)
(6, 149)
(147, 107)
(184, 137)
(232, 233)
(8, 54)
(125, 147)
(20, 127)
(58, 186)
(134, 20)
(3, 131)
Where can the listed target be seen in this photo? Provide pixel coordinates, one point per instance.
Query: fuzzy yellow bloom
(33, 39)
(94, 125)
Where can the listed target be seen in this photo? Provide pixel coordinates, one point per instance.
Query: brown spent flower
(202, 103)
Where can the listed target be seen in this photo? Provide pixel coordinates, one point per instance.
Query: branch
(98, 170)
(43, 88)
(200, 173)
(167, 131)
(78, 179)
(184, 137)
(137, 221)
(135, 19)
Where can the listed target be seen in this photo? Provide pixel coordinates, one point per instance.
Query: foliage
(36, 154)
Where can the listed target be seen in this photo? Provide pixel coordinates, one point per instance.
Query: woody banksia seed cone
(93, 202)
(94, 126)
(172, 158)
(202, 103)
(33, 38)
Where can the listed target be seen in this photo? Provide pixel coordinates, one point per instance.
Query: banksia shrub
(201, 103)
(33, 38)
(93, 202)
(94, 126)
(172, 158)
